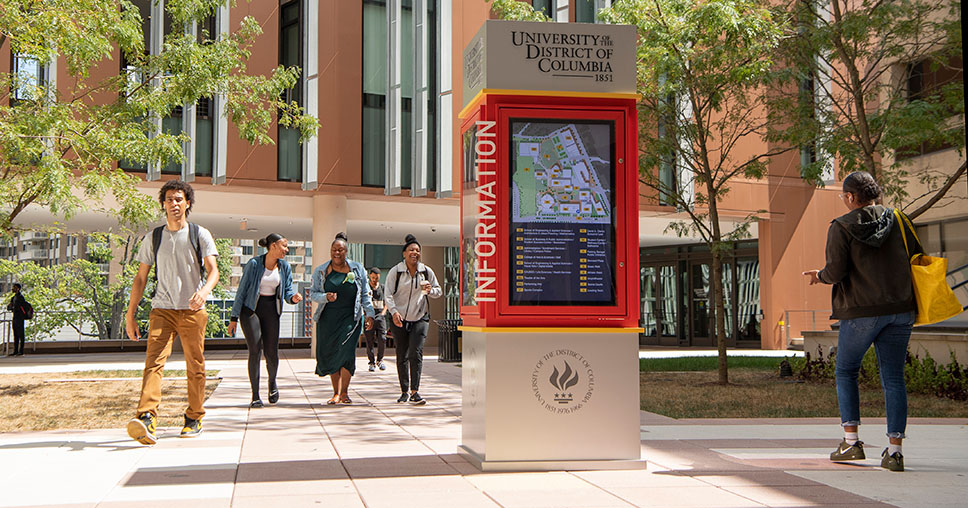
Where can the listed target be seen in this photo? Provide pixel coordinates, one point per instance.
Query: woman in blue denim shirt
(266, 283)
(340, 287)
(873, 297)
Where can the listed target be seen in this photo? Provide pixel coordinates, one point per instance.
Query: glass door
(660, 312)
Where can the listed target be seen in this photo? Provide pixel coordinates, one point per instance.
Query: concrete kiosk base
(540, 399)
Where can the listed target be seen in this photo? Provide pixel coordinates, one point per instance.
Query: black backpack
(192, 237)
(28, 310)
(396, 283)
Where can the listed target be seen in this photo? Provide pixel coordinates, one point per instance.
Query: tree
(78, 294)
(59, 147)
(701, 71)
(854, 91)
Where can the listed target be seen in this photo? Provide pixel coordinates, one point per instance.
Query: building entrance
(677, 301)
(660, 304)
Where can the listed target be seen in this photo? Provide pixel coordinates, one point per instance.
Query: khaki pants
(163, 325)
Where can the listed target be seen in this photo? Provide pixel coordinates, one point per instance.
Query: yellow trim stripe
(521, 329)
(541, 93)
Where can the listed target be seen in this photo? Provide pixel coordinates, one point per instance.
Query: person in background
(408, 286)
(18, 305)
(873, 297)
(182, 254)
(340, 288)
(377, 334)
(266, 282)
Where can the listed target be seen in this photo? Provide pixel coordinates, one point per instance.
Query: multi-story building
(384, 79)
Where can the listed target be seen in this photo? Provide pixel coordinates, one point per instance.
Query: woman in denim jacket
(340, 287)
(266, 283)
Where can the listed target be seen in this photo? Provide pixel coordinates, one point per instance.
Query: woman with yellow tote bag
(872, 296)
(936, 301)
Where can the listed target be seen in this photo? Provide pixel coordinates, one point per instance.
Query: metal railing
(292, 326)
(801, 322)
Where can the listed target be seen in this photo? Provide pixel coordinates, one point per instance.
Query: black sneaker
(192, 428)
(416, 399)
(142, 429)
(273, 396)
(403, 398)
(892, 462)
(256, 404)
(845, 451)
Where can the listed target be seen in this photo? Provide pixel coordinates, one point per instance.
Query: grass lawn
(688, 388)
(40, 402)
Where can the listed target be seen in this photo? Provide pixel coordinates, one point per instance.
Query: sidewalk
(377, 453)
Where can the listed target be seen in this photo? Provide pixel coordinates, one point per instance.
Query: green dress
(337, 333)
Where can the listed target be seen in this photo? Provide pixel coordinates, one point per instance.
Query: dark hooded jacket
(868, 265)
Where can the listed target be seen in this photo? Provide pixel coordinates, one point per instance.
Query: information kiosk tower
(549, 255)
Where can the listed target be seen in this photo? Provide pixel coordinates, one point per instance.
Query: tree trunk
(720, 307)
(717, 283)
(118, 309)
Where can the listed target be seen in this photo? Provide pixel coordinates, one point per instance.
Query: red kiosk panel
(549, 213)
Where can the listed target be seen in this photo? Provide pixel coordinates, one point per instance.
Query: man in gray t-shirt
(178, 308)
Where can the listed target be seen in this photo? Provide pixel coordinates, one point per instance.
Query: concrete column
(329, 218)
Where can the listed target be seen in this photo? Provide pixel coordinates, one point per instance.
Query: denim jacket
(318, 294)
(248, 293)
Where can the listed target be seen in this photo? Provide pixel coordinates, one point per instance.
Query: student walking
(182, 253)
(863, 247)
(266, 282)
(408, 286)
(21, 312)
(376, 336)
(340, 288)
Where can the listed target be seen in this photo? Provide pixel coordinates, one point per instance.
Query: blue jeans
(890, 335)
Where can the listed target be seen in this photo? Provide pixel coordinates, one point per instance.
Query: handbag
(936, 301)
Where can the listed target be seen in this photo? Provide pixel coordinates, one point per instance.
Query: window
(547, 7)
(28, 77)
(926, 81)
(290, 55)
(585, 11)
(375, 64)
(808, 99)
(173, 123)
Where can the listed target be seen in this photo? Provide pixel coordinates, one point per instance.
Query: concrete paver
(375, 453)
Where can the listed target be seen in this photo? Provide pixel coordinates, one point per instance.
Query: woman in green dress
(340, 288)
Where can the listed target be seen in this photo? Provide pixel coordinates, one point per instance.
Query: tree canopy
(60, 145)
(855, 89)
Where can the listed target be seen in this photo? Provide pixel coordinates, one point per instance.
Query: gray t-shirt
(178, 271)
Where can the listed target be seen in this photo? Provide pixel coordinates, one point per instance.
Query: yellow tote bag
(936, 301)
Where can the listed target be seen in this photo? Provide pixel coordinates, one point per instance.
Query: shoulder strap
(904, 223)
(193, 237)
(155, 245)
(156, 242)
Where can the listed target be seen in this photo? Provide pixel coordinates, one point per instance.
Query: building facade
(383, 77)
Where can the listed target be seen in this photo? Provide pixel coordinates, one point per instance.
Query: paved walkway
(377, 453)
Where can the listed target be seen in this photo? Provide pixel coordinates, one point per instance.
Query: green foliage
(858, 55)
(924, 376)
(516, 10)
(59, 148)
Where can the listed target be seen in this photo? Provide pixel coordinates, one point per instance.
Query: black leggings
(261, 329)
(410, 343)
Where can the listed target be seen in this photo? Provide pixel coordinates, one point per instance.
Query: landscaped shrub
(923, 375)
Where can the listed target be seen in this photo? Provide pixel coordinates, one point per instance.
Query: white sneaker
(383, 366)
(372, 367)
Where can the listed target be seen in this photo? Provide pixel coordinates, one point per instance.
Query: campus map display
(562, 212)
